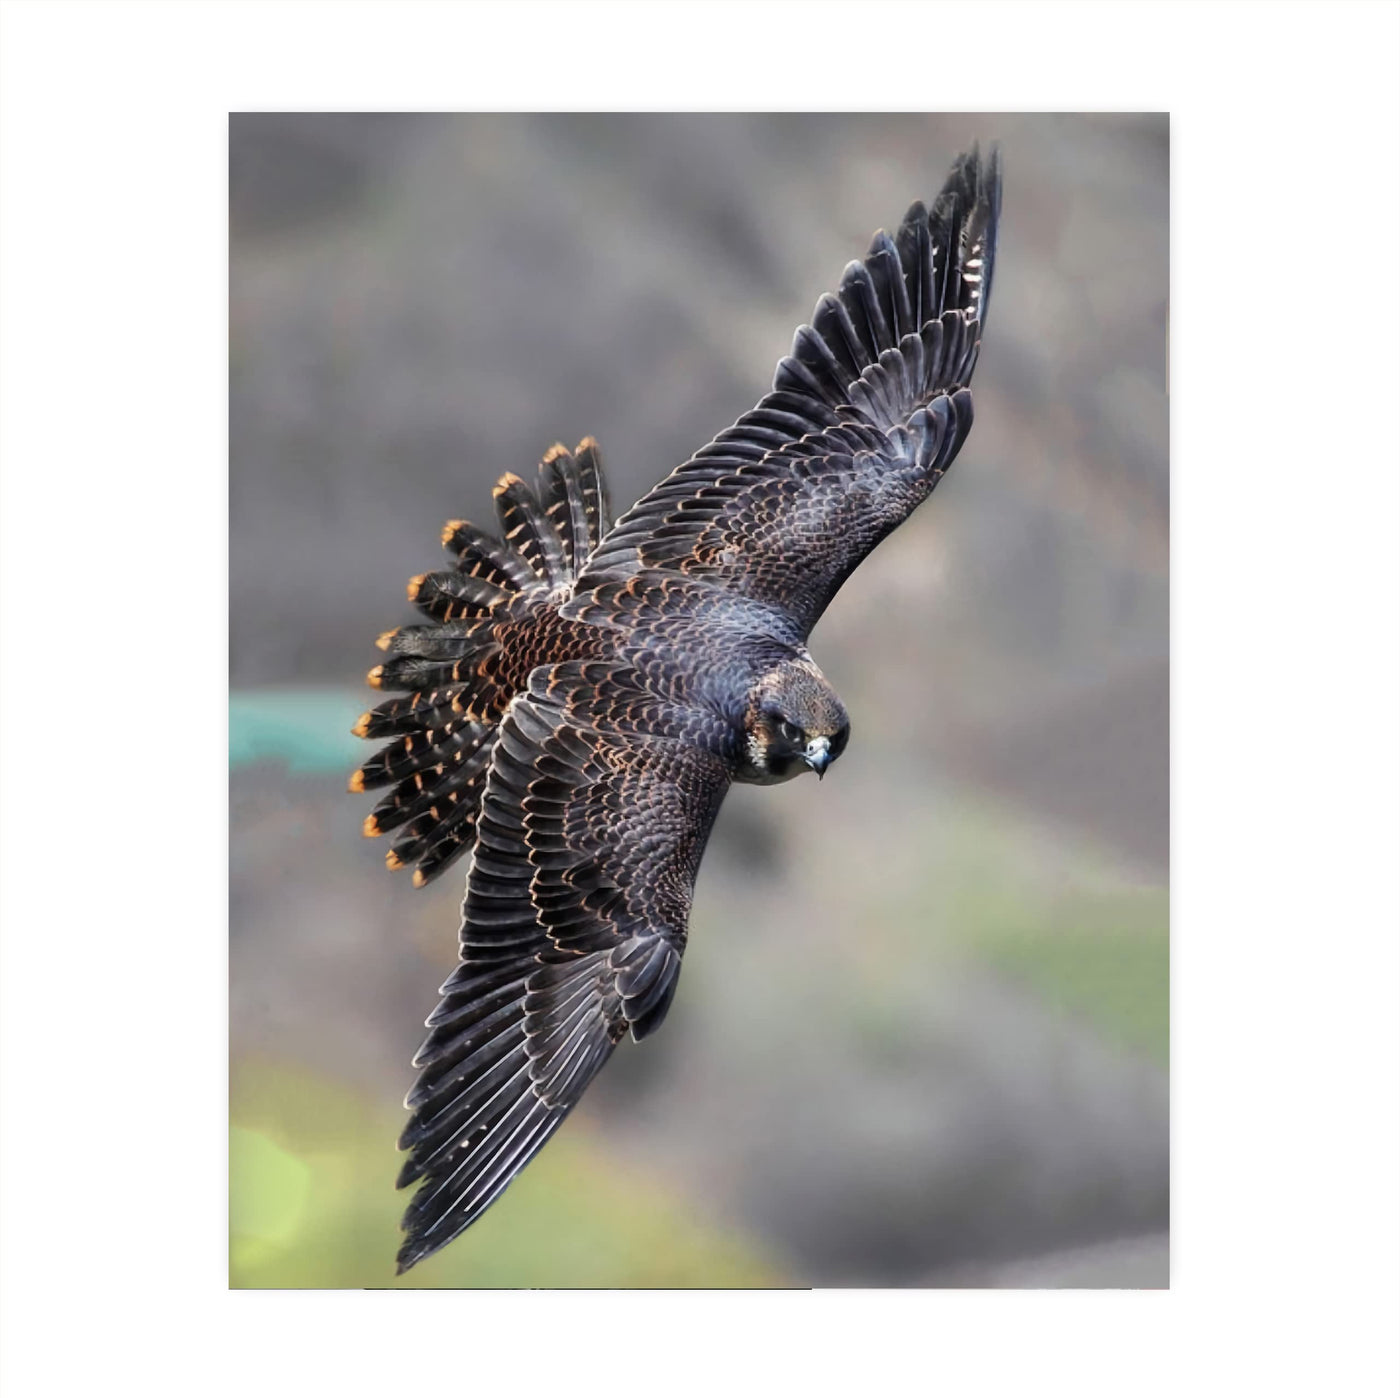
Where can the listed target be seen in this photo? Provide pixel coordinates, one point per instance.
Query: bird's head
(793, 721)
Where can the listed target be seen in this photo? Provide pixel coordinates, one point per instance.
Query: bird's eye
(789, 732)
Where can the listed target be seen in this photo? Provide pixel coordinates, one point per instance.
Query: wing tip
(412, 1253)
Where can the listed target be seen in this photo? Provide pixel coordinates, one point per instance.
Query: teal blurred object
(307, 728)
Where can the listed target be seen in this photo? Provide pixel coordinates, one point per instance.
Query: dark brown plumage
(584, 692)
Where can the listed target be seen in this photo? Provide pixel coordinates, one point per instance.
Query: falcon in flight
(584, 691)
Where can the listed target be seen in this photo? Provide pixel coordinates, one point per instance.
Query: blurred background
(921, 1035)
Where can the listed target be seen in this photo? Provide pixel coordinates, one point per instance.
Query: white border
(1284, 145)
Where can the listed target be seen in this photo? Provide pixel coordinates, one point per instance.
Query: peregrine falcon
(584, 691)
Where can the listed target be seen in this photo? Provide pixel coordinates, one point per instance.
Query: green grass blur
(312, 1204)
(1114, 980)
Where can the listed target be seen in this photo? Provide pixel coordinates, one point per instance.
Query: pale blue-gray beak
(818, 756)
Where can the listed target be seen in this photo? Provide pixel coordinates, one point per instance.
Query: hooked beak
(818, 756)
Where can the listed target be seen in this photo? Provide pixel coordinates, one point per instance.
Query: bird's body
(585, 693)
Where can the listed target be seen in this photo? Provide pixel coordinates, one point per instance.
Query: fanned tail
(455, 674)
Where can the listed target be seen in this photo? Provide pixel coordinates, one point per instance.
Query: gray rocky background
(921, 1034)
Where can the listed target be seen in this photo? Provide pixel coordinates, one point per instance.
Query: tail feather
(451, 640)
(451, 837)
(593, 487)
(407, 713)
(416, 752)
(450, 595)
(452, 670)
(481, 556)
(527, 529)
(562, 493)
(427, 799)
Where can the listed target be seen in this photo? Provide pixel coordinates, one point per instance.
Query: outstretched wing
(865, 416)
(589, 840)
